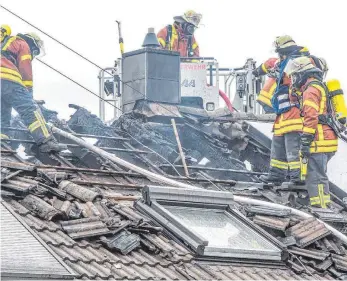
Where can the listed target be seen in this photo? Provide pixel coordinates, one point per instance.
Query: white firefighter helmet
(299, 64)
(282, 42)
(39, 48)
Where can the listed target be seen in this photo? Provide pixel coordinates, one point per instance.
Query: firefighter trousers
(317, 182)
(285, 157)
(16, 96)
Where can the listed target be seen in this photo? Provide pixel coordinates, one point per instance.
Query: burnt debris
(81, 205)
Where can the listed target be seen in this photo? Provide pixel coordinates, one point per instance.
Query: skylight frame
(156, 198)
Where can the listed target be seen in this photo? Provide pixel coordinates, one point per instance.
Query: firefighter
(285, 158)
(180, 35)
(318, 141)
(17, 53)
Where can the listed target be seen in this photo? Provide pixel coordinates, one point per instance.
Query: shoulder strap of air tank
(6, 53)
(316, 62)
(322, 119)
(319, 83)
(190, 46)
(168, 36)
(3, 43)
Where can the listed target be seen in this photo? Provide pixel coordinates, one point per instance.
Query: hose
(226, 100)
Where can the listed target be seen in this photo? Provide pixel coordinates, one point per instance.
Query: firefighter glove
(305, 143)
(255, 72)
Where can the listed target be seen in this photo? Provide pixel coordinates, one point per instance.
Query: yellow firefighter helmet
(5, 31)
(191, 17)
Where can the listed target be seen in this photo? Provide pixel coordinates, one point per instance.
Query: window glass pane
(220, 228)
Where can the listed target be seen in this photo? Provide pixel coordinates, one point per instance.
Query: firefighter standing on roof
(17, 53)
(285, 158)
(318, 142)
(180, 35)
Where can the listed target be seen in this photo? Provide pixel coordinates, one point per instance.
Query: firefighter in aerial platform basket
(323, 109)
(179, 36)
(17, 53)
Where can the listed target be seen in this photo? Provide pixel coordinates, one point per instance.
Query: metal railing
(110, 74)
(244, 98)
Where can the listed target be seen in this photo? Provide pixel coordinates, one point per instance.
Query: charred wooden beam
(75, 134)
(76, 145)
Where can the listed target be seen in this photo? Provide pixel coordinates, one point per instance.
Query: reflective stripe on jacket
(287, 122)
(18, 68)
(315, 104)
(266, 93)
(178, 42)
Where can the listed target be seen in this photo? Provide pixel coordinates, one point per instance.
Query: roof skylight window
(206, 222)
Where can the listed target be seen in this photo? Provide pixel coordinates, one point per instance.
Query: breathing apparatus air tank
(337, 100)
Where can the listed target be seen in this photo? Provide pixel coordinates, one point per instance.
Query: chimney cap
(151, 40)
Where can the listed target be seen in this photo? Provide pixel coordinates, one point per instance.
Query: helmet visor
(39, 51)
(294, 67)
(290, 68)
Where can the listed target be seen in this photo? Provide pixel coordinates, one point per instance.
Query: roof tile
(162, 258)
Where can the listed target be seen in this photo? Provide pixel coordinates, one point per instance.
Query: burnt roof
(82, 205)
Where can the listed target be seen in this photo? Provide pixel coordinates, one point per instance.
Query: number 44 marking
(188, 83)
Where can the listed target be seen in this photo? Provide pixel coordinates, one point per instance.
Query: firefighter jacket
(16, 62)
(266, 93)
(314, 104)
(291, 120)
(286, 122)
(172, 38)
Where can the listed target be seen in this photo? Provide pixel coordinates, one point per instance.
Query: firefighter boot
(51, 145)
(44, 139)
(297, 181)
(270, 178)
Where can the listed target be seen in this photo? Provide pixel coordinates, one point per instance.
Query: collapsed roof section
(80, 204)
